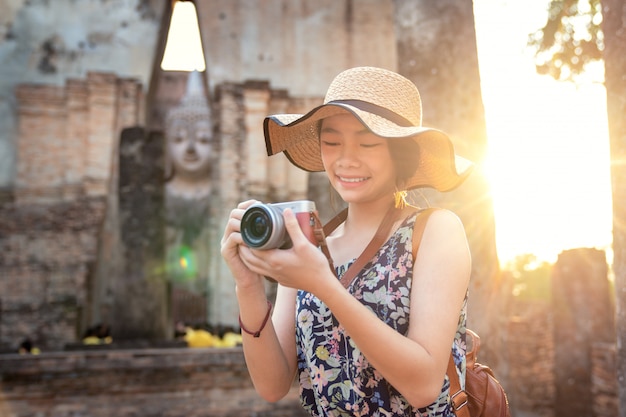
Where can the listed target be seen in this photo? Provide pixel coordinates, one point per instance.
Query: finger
(293, 227)
(245, 204)
(232, 228)
(252, 260)
(237, 213)
(234, 219)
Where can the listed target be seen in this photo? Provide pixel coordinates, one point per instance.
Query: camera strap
(320, 236)
(370, 250)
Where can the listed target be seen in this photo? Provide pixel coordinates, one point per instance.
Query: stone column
(140, 291)
(583, 315)
(256, 96)
(222, 305)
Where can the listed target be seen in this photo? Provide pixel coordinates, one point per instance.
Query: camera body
(263, 225)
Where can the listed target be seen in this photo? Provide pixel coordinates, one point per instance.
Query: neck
(368, 215)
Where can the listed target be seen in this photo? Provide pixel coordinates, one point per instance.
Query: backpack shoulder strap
(419, 226)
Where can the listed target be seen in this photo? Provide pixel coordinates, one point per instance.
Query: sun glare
(183, 49)
(548, 160)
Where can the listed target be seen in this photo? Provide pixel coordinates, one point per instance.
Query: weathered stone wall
(530, 360)
(53, 42)
(297, 45)
(69, 147)
(531, 386)
(583, 314)
(68, 135)
(47, 252)
(53, 221)
(135, 383)
(561, 350)
(294, 44)
(604, 379)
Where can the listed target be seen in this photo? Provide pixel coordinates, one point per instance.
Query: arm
(270, 358)
(415, 365)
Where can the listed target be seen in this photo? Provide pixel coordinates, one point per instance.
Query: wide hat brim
(297, 136)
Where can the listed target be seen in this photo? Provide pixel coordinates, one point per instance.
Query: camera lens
(262, 227)
(259, 226)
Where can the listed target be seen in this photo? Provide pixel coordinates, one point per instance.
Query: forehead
(343, 121)
(346, 117)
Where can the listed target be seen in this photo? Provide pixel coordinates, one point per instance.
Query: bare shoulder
(443, 220)
(444, 255)
(444, 231)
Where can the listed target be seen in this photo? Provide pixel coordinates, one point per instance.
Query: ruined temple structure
(101, 262)
(101, 223)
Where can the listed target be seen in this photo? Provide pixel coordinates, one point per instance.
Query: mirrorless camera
(263, 225)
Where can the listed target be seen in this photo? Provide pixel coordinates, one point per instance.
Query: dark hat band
(377, 110)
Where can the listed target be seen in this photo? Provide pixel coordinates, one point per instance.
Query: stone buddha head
(190, 147)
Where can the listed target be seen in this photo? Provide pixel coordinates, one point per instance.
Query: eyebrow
(329, 129)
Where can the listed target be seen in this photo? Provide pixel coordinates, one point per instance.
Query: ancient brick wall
(583, 315)
(138, 383)
(531, 386)
(46, 253)
(68, 135)
(604, 379)
(51, 226)
(564, 343)
(530, 360)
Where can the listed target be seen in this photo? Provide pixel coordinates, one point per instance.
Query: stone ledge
(194, 382)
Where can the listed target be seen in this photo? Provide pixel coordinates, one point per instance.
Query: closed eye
(371, 145)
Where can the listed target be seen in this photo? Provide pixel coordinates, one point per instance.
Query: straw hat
(386, 103)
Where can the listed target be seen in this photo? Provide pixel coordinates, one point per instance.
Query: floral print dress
(335, 378)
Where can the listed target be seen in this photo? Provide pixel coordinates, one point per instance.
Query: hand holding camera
(263, 225)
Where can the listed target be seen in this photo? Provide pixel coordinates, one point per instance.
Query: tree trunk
(614, 28)
(437, 50)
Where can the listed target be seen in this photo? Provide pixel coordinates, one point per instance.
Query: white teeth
(352, 179)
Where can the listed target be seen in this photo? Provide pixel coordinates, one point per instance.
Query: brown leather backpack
(483, 395)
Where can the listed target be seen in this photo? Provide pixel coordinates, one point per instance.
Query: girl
(381, 345)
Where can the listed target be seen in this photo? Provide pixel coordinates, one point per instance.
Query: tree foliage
(571, 39)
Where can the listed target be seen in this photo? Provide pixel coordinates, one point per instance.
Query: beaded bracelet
(258, 332)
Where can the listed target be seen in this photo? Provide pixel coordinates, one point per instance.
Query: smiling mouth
(352, 180)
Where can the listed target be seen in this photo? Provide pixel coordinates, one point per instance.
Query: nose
(191, 147)
(348, 156)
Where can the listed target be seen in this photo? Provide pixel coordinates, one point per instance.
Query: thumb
(293, 227)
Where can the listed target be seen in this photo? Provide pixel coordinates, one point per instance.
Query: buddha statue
(190, 158)
(190, 148)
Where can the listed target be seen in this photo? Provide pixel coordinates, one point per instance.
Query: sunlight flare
(548, 161)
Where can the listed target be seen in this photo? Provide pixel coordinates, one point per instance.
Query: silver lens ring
(262, 227)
